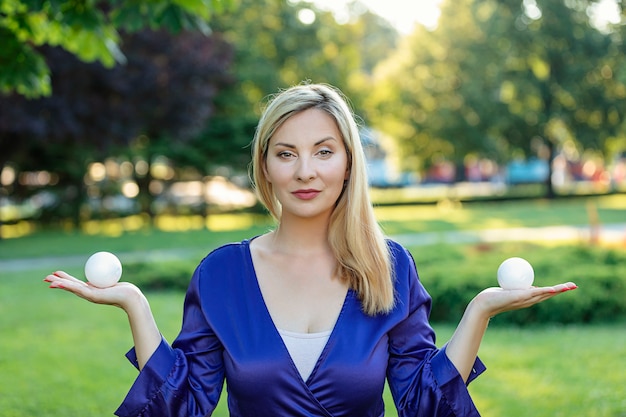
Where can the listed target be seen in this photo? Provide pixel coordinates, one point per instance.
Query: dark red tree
(164, 91)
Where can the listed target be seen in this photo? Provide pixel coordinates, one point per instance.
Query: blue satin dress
(228, 335)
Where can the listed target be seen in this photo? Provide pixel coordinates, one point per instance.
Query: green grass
(128, 234)
(61, 356)
(553, 372)
(112, 234)
(507, 214)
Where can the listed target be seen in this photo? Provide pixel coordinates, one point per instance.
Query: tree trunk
(550, 194)
(145, 197)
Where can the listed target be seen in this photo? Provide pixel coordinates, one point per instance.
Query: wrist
(478, 312)
(134, 301)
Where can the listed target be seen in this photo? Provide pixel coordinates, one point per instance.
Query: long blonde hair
(354, 234)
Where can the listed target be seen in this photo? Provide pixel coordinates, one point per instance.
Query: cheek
(272, 172)
(276, 173)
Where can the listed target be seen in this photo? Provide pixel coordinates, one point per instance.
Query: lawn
(506, 214)
(191, 232)
(61, 356)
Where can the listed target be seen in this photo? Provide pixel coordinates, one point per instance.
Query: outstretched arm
(462, 348)
(128, 297)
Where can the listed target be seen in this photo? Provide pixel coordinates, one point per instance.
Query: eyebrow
(319, 142)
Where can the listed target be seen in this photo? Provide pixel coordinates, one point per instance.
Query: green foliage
(496, 80)
(164, 91)
(15, 56)
(160, 276)
(176, 97)
(87, 29)
(453, 275)
(274, 50)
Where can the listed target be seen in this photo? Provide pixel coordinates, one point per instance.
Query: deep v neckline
(276, 333)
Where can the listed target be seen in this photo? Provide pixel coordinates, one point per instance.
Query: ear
(265, 173)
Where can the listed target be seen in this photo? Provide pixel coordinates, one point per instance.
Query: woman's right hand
(125, 295)
(122, 294)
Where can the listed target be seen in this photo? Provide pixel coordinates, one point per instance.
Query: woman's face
(307, 164)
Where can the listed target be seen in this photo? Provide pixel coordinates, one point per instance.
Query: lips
(306, 194)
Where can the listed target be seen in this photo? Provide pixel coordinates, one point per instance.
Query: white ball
(103, 269)
(515, 274)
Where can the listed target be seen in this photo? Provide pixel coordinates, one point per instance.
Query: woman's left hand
(463, 346)
(493, 301)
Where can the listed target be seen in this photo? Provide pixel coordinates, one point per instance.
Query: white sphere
(103, 269)
(515, 274)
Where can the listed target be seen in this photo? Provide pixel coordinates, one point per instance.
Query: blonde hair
(354, 234)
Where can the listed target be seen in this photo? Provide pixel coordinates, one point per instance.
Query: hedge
(453, 274)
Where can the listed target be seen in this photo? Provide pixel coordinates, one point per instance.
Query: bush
(172, 275)
(453, 275)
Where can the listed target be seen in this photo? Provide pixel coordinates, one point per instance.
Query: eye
(285, 154)
(325, 152)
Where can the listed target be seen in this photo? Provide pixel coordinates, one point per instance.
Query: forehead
(310, 124)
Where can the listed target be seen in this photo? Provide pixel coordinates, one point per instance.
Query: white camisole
(305, 349)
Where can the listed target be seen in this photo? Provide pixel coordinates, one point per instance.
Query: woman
(311, 318)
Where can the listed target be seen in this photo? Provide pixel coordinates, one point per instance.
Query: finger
(568, 286)
(559, 288)
(65, 275)
(74, 286)
(63, 280)
(57, 276)
(544, 293)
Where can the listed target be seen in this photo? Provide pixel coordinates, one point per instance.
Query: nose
(305, 171)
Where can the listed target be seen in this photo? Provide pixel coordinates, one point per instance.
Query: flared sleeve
(422, 380)
(184, 379)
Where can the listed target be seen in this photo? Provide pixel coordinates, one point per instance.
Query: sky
(405, 14)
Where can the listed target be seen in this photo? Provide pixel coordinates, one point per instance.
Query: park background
(498, 130)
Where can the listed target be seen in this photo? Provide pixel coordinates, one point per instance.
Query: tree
(564, 68)
(275, 48)
(163, 94)
(88, 29)
(429, 93)
(497, 75)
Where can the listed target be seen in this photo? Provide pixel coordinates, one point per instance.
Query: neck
(301, 236)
